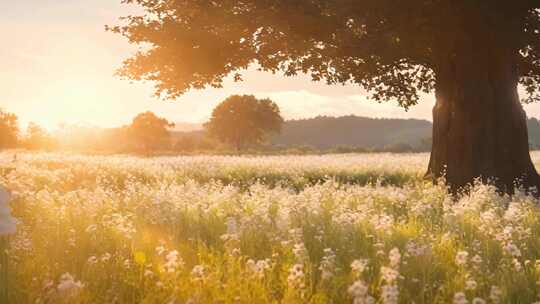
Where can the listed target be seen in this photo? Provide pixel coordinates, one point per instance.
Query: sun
(71, 102)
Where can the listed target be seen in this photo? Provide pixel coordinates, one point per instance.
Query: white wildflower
(300, 252)
(390, 294)
(477, 260)
(461, 258)
(92, 260)
(160, 249)
(359, 292)
(258, 268)
(358, 289)
(414, 249)
(390, 275)
(478, 301)
(512, 249)
(495, 294)
(172, 261)
(517, 265)
(460, 298)
(68, 286)
(395, 257)
(296, 277)
(198, 272)
(232, 226)
(328, 264)
(358, 266)
(91, 228)
(470, 285)
(106, 257)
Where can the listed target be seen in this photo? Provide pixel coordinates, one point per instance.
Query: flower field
(276, 229)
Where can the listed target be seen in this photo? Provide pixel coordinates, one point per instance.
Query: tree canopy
(37, 138)
(244, 120)
(149, 131)
(392, 48)
(9, 129)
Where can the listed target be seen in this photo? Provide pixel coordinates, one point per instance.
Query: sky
(57, 66)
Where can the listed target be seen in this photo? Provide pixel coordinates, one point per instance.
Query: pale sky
(57, 65)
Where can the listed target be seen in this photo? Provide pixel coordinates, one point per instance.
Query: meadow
(277, 229)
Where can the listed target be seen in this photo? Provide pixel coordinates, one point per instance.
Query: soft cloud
(390, 109)
(306, 104)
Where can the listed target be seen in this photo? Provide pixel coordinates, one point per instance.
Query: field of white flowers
(281, 229)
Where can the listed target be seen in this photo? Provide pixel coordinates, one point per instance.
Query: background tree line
(239, 123)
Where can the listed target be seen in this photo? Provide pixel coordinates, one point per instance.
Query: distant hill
(533, 126)
(326, 132)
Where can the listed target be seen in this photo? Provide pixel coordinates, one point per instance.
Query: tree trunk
(479, 125)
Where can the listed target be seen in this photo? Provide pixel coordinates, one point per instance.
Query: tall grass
(313, 230)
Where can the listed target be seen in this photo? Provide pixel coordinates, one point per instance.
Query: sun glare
(71, 103)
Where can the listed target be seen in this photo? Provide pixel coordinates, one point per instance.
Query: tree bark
(479, 125)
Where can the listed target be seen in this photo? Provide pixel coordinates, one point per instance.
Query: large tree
(471, 53)
(243, 121)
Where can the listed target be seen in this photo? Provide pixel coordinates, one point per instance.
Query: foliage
(394, 49)
(399, 148)
(9, 129)
(37, 138)
(140, 230)
(243, 121)
(347, 134)
(150, 132)
(196, 142)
